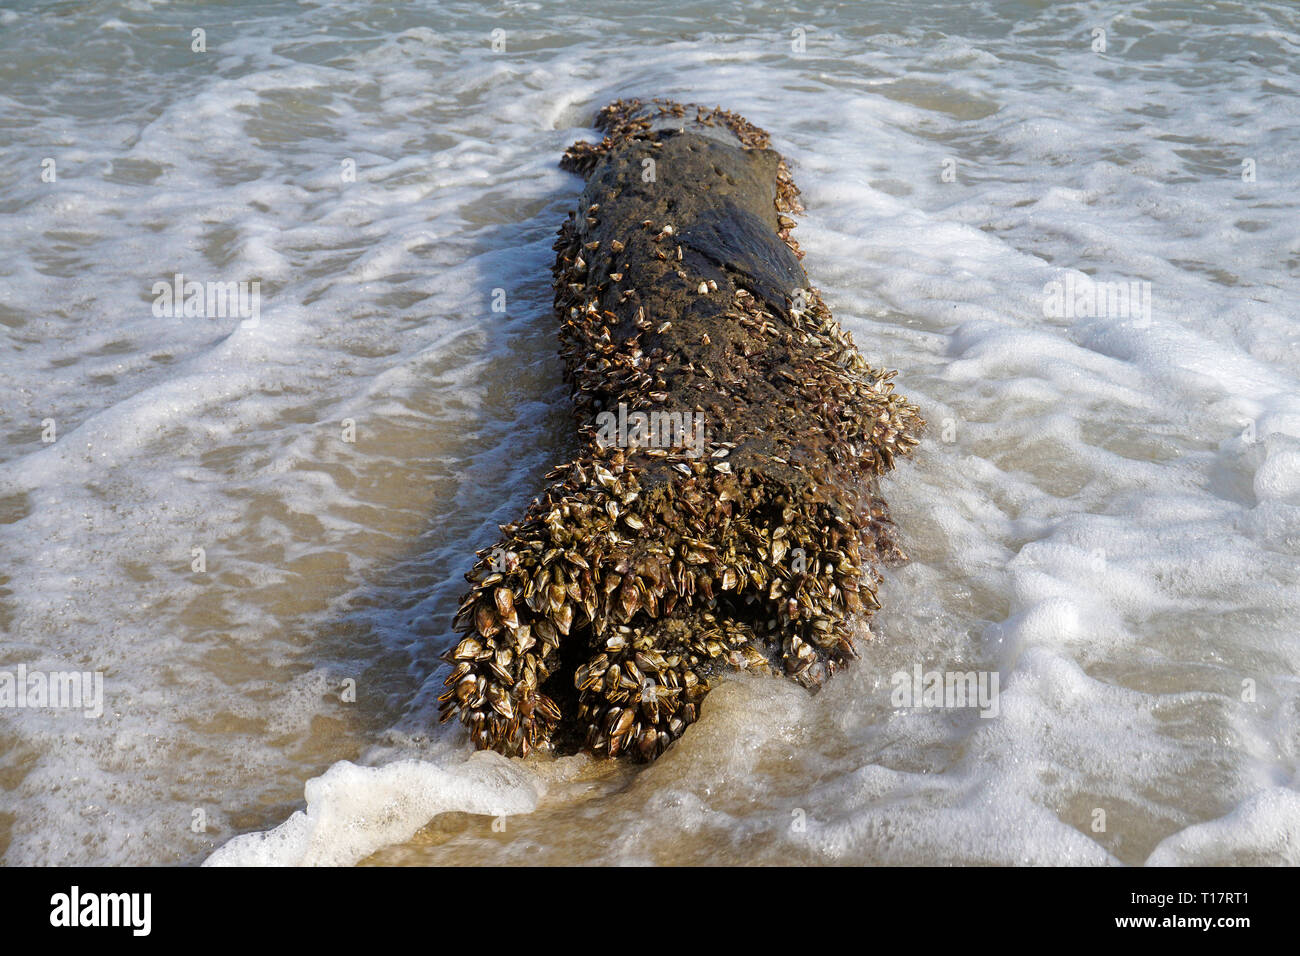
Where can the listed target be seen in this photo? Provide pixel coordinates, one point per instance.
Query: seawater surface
(1105, 514)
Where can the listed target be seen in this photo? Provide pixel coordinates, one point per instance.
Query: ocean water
(255, 528)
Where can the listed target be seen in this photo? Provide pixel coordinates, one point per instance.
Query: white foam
(1263, 830)
(352, 811)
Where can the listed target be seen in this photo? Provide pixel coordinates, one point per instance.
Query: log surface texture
(643, 573)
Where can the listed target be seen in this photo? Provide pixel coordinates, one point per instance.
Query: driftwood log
(724, 512)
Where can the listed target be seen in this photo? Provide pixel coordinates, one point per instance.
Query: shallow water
(1106, 513)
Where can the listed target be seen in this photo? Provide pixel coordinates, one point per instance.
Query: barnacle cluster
(645, 570)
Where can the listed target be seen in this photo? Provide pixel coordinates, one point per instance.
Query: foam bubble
(1263, 830)
(352, 811)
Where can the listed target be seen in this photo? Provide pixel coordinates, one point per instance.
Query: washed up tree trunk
(724, 512)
